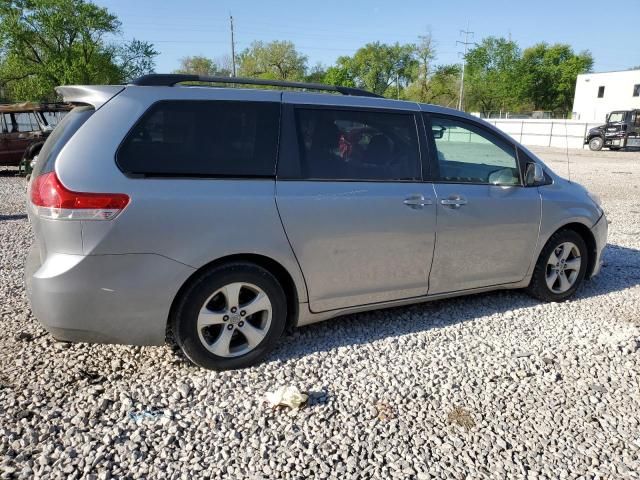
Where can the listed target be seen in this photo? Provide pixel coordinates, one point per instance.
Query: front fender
(563, 203)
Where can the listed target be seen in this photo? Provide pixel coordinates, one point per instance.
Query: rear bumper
(600, 231)
(104, 298)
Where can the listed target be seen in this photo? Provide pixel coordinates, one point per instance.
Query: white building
(600, 93)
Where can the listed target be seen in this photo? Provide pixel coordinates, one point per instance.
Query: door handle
(417, 201)
(453, 202)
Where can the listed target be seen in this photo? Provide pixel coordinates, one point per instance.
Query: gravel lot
(490, 386)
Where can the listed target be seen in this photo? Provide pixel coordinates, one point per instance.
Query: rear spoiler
(94, 95)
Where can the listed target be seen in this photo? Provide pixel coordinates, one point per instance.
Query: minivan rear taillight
(52, 200)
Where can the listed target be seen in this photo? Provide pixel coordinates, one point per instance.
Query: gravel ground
(489, 386)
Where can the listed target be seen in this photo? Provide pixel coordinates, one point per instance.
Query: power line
(466, 44)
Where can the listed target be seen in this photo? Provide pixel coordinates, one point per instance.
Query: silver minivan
(218, 218)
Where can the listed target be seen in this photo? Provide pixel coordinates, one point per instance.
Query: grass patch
(461, 417)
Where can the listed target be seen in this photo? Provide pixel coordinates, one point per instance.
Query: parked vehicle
(219, 217)
(621, 130)
(23, 129)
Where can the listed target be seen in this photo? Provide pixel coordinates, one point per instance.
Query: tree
(444, 86)
(317, 74)
(549, 75)
(376, 67)
(135, 58)
(199, 65)
(55, 42)
(491, 79)
(274, 61)
(425, 53)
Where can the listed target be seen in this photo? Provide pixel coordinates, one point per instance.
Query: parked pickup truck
(23, 129)
(621, 130)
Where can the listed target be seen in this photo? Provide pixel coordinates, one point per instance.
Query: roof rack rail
(171, 79)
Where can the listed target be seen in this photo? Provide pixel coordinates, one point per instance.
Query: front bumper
(600, 231)
(104, 298)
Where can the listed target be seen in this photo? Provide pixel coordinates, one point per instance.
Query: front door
(359, 218)
(487, 227)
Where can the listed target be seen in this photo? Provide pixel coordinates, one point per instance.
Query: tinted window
(357, 145)
(210, 138)
(636, 90)
(600, 92)
(469, 154)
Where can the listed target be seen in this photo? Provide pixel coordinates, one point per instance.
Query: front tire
(596, 144)
(561, 267)
(230, 317)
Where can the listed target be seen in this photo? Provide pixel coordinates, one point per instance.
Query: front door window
(468, 154)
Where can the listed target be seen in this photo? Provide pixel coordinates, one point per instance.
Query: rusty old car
(24, 128)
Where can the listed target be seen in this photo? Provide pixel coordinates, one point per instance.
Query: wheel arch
(269, 264)
(588, 237)
(593, 135)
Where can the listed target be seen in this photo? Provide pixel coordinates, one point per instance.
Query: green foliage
(491, 77)
(134, 59)
(316, 74)
(45, 43)
(437, 84)
(199, 65)
(425, 54)
(548, 75)
(441, 88)
(376, 67)
(274, 61)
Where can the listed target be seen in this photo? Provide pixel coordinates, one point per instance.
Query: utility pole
(233, 49)
(466, 44)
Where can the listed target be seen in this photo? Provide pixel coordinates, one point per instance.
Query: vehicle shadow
(621, 271)
(17, 216)
(9, 172)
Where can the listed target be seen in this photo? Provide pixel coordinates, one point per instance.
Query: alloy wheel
(563, 267)
(234, 320)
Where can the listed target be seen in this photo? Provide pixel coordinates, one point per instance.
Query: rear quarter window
(61, 134)
(203, 138)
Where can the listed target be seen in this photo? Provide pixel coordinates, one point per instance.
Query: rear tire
(230, 317)
(561, 267)
(596, 144)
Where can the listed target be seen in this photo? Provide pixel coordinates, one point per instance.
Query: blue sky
(325, 30)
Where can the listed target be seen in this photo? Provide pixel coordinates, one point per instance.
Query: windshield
(616, 117)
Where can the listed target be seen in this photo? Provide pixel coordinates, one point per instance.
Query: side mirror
(438, 132)
(534, 174)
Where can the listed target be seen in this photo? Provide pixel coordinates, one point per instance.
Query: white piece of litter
(287, 397)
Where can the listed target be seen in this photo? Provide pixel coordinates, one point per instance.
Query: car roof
(97, 95)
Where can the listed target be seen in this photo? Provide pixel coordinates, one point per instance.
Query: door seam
(286, 235)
